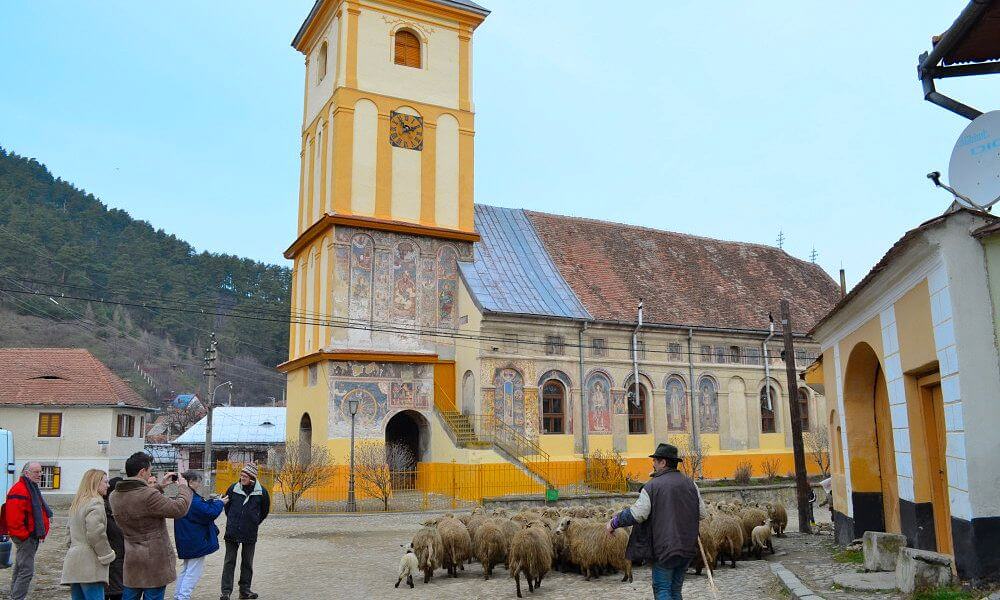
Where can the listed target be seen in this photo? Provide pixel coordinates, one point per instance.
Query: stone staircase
(461, 430)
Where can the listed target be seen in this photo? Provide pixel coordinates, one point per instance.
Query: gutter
(767, 365)
(695, 425)
(584, 412)
(635, 357)
(927, 62)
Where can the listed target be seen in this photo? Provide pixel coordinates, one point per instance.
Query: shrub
(770, 468)
(743, 472)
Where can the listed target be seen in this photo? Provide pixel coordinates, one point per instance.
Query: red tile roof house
(69, 412)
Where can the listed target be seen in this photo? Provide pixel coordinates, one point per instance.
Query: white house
(70, 413)
(239, 434)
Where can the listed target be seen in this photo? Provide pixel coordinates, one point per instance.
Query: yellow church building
(476, 334)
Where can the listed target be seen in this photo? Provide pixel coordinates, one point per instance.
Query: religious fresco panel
(447, 282)
(708, 405)
(505, 396)
(362, 262)
(599, 399)
(383, 390)
(404, 282)
(676, 404)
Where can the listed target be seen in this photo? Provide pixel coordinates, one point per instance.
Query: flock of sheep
(535, 540)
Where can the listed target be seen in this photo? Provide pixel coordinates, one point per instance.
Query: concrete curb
(793, 584)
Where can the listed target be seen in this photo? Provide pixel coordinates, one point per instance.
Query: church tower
(385, 211)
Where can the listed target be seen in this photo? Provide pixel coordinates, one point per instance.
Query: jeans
(144, 593)
(86, 591)
(229, 567)
(24, 567)
(191, 570)
(667, 582)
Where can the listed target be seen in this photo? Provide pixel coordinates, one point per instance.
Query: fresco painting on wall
(508, 399)
(382, 389)
(599, 403)
(447, 281)
(708, 405)
(619, 401)
(362, 260)
(404, 282)
(676, 405)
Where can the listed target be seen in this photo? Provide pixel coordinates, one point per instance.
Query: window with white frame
(126, 425)
(51, 476)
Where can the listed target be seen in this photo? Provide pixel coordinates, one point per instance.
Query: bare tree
(817, 444)
(178, 420)
(375, 466)
(693, 455)
(301, 468)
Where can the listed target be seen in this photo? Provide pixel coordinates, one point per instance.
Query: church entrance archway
(408, 430)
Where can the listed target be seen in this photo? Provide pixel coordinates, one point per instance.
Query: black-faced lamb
(429, 548)
(531, 554)
(408, 565)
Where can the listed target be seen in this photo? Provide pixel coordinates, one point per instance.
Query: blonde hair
(89, 485)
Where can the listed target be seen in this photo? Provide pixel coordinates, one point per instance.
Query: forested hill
(58, 239)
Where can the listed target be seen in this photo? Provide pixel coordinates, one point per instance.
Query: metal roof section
(239, 425)
(512, 273)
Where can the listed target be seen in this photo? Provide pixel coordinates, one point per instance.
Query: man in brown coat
(141, 511)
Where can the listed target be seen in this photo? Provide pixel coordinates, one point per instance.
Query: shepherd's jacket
(196, 534)
(244, 513)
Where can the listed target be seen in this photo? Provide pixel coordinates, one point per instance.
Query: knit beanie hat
(251, 470)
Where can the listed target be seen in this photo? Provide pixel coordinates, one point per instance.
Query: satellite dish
(974, 170)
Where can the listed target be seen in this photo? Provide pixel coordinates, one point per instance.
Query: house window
(641, 348)
(49, 424)
(126, 426)
(804, 409)
(752, 355)
(313, 374)
(554, 344)
(553, 407)
(599, 347)
(767, 424)
(720, 355)
(510, 343)
(706, 354)
(735, 355)
(196, 460)
(636, 411)
(321, 62)
(407, 49)
(142, 426)
(674, 352)
(51, 475)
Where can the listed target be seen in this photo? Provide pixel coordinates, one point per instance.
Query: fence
(431, 485)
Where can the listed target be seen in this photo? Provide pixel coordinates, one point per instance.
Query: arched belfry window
(407, 49)
(321, 62)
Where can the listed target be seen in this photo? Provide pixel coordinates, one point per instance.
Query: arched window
(407, 49)
(767, 406)
(804, 409)
(321, 62)
(636, 411)
(305, 439)
(553, 407)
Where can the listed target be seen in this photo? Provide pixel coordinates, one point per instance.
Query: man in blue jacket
(247, 505)
(196, 536)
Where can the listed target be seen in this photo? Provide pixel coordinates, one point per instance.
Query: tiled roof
(61, 377)
(681, 279)
(511, 271)
(239, 425)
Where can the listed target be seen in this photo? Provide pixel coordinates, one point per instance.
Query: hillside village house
(239, 434)
(911, 368)
(483, 335)
(69, 412)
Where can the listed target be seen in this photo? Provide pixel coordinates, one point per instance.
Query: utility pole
(211, 353)
(801, 483)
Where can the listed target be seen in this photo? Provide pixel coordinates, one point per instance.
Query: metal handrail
(449, 405)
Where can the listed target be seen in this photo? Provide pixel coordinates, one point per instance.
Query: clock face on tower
(406, 131)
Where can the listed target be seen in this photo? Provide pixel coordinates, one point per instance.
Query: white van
(8, 474)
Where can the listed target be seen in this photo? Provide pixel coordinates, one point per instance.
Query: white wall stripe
(839, 392)
(897, 403)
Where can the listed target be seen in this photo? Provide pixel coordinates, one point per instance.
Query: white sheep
(761, 538)
(408, 564)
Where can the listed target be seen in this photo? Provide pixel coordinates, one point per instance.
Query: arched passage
(874, 489)
(409, 428)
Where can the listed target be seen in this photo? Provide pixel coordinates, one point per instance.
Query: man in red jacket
(27, 521)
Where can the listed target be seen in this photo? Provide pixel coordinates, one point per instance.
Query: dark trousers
(229, 567)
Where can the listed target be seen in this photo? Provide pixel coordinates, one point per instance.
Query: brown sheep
(591, 548)
(429, 548)
(726, 532)
(708, 545)
(779, 517)
(456, 542)
(530, 553)
(489, 546)
(509, 528)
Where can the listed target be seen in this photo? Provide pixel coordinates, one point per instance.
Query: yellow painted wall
(558, 447)
(301, 398)
(914, 329)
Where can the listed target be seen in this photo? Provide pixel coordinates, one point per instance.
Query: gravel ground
(339, 556)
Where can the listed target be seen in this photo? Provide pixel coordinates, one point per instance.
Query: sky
(733, 120)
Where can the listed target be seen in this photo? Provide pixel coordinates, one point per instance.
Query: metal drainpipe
(635, 357)
(695, 428)
(767, 369)
(584, 413)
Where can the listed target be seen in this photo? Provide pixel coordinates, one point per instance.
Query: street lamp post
(352, 506)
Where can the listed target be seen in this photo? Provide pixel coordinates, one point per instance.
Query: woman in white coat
(85, 568)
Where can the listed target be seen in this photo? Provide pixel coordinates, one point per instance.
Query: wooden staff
(708, 569)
